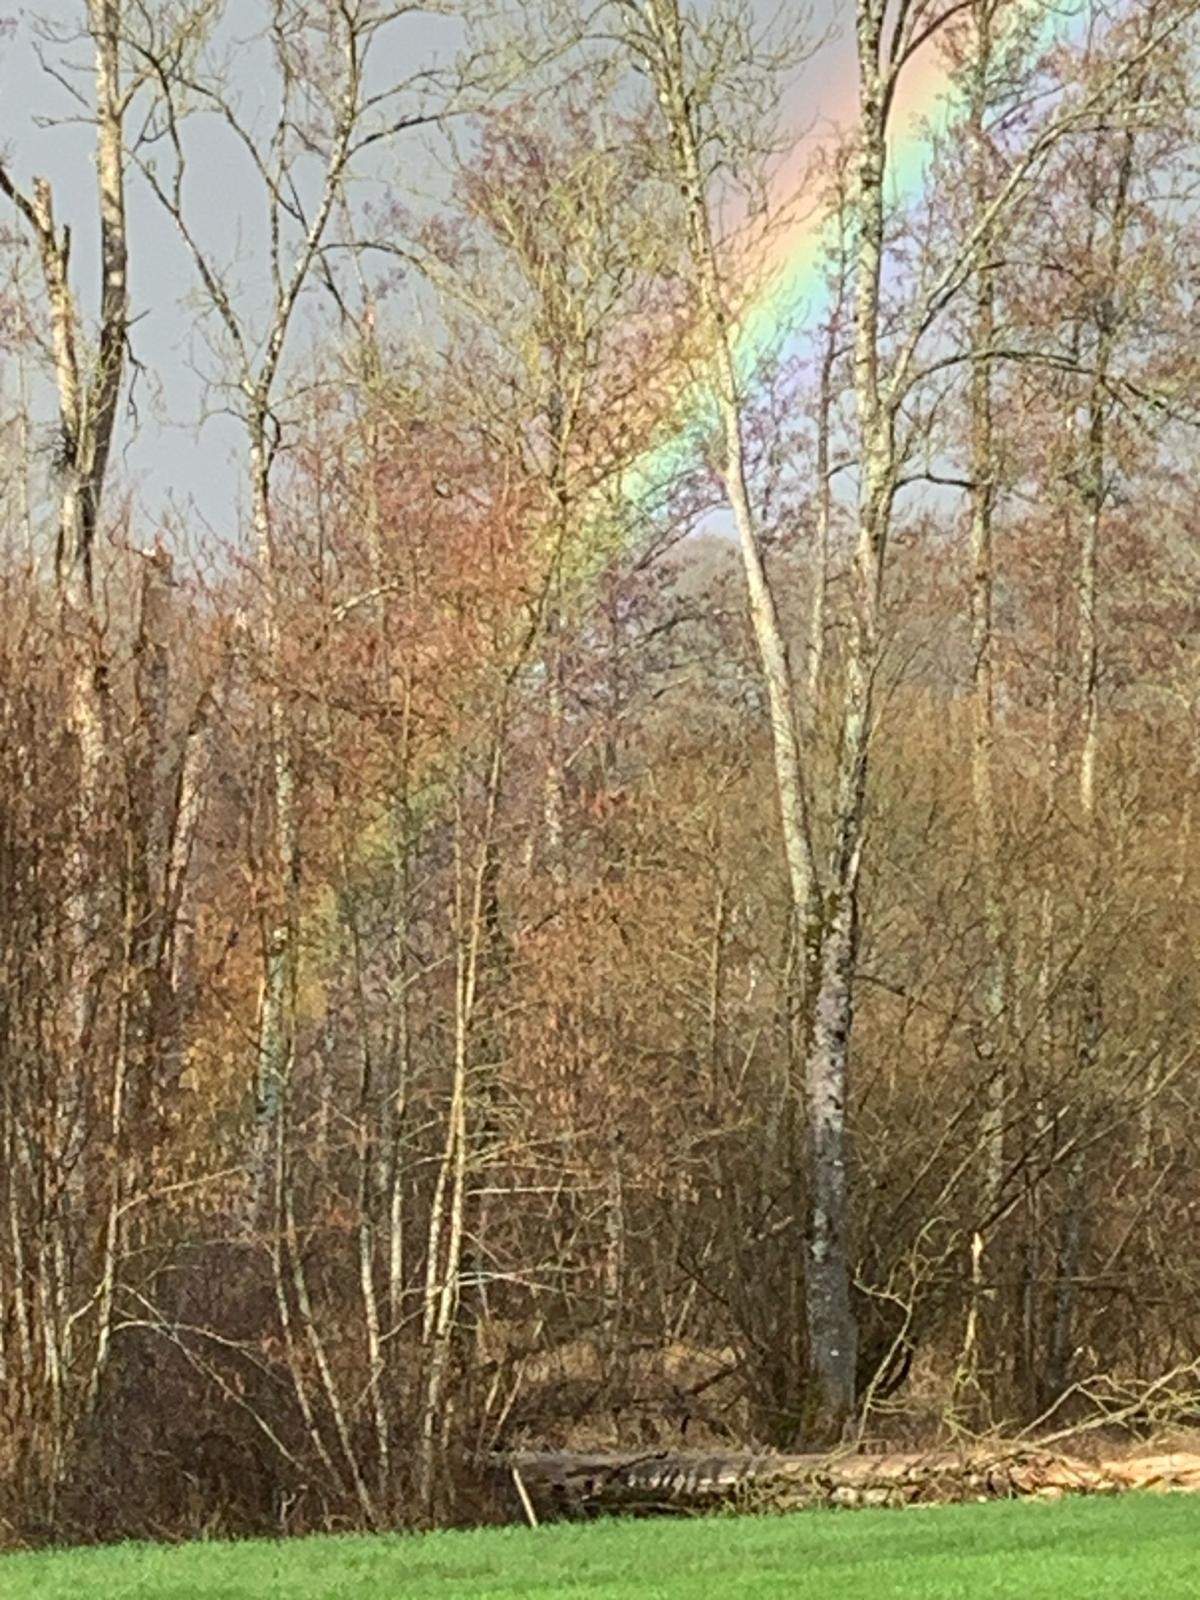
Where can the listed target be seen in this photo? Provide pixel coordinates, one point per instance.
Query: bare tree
(885, 372)
(657, 32)
(89, 376)
(89, 373)
(330, 112)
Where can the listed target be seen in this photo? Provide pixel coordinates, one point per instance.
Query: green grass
(1132, 1547)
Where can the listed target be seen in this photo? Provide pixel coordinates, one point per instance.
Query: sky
(166, 453)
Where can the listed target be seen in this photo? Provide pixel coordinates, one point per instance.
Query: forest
(636, 882)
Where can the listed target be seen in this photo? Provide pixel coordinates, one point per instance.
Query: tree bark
(832, 1329)
(982, 510)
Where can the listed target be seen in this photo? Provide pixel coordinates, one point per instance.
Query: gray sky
(167, 455)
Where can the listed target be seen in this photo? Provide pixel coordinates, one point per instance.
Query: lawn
(1075, 1550)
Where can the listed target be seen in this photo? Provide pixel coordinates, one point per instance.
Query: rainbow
(786, 291)
(784, 295)
(790, 280)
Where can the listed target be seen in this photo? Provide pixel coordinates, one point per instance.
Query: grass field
(1076, 1550)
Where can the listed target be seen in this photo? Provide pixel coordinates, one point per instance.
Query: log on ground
(560, 1483)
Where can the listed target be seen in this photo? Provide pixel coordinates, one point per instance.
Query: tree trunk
(832, 1329)
(670, 77)
(826, 942)
(279, 934)
(982, 508)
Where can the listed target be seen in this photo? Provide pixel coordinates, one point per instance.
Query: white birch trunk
(668, 65)
(982, 510)
(831, 1324)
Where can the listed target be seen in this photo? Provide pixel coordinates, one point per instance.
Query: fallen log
(564, 1484)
